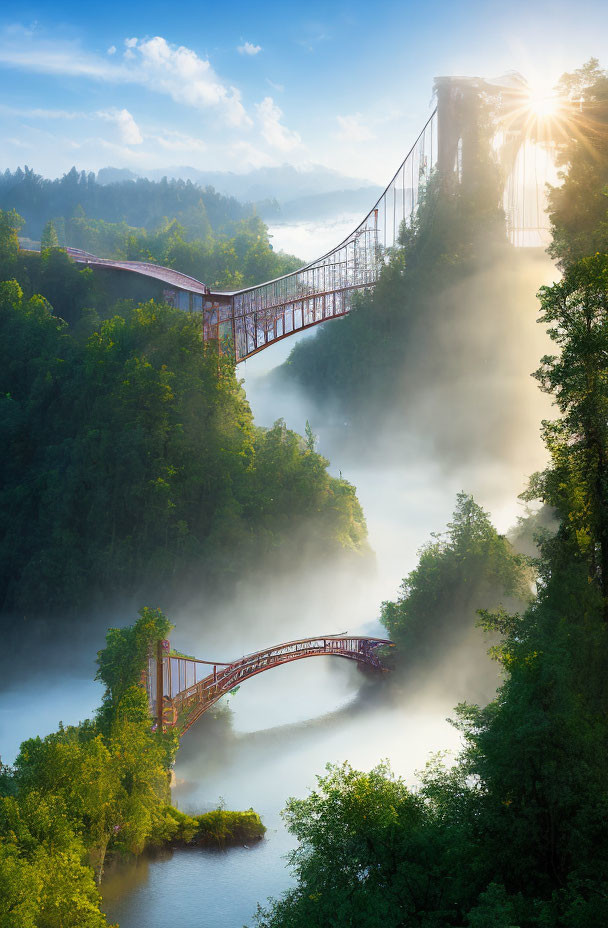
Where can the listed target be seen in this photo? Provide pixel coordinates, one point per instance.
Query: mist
(465, 416)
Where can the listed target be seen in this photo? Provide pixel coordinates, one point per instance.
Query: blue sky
(232, 86)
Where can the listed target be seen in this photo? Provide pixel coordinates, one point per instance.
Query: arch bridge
(188, 686)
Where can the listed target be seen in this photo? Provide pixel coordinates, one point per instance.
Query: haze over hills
(284, 182)
(283, 193)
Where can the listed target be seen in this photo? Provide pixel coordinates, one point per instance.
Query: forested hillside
(174, 223)
(132, 462)
(515, 833)
(138, 202)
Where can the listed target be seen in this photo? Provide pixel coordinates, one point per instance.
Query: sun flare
(542, 105)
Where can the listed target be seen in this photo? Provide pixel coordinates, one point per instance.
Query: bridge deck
(188, 690)
(255, 317)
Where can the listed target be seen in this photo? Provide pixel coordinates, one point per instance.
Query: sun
(542, 105)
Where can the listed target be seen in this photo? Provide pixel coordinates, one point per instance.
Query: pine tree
(49, 236)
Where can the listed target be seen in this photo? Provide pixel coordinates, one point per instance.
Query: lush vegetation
(515, 833)
(238, 258)
(470, 567)
(138, 202)
(96, 789)
(221, 827)
(207, 236)
(132, 462)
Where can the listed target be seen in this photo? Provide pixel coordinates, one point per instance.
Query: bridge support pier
(160, 700)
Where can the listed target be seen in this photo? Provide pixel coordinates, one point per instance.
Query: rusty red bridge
(189, 686)
(253, 318)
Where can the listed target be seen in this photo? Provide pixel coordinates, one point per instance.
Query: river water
(282, 727)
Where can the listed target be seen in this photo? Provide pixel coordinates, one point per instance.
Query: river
(284, 726)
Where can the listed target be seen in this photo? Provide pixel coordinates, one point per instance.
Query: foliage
(221, 827)
(138, 203)
(43, 881)
(93, 789)
(472, 567)
(576, 310)
(579, 206)
(49, 237)
(123, 660)
(112, 785)
(292, 492)
(239, 258)
(515, 832)
(143, 464)
(208, 236)
(371, 852)
(10, 224)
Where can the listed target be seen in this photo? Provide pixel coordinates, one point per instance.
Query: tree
(311, 438)
(472, 567)
(578, 207)
(521, 816)
(10, 224)
(576, 310)
(43, 881)
(49, 236)
(147, 464)
(371, 853)
(123, 660)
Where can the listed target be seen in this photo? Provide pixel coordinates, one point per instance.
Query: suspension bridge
(181, 688)
(253, 318)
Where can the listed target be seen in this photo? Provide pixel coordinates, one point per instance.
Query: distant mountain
(280, 183)
(115, 175)
(318, 206)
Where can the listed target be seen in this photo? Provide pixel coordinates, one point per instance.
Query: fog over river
(288, 723)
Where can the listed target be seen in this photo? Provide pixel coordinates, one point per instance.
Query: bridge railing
(324, 288)
(190, 686)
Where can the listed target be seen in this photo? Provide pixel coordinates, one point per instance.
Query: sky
(239, 85)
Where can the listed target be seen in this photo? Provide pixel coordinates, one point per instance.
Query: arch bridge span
(189, 686)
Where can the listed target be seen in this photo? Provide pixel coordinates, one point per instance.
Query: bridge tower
(485, 134)
(458, 112)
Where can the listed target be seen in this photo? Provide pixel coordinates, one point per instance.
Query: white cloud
(352, 129)
(247, 155)
(38, 113)
(50, 58)
(128, 128)
(179, 141)
(18, 143)
(249, 49)
(112, 50)
(187, 78)
(173, 70)
(275, 134)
